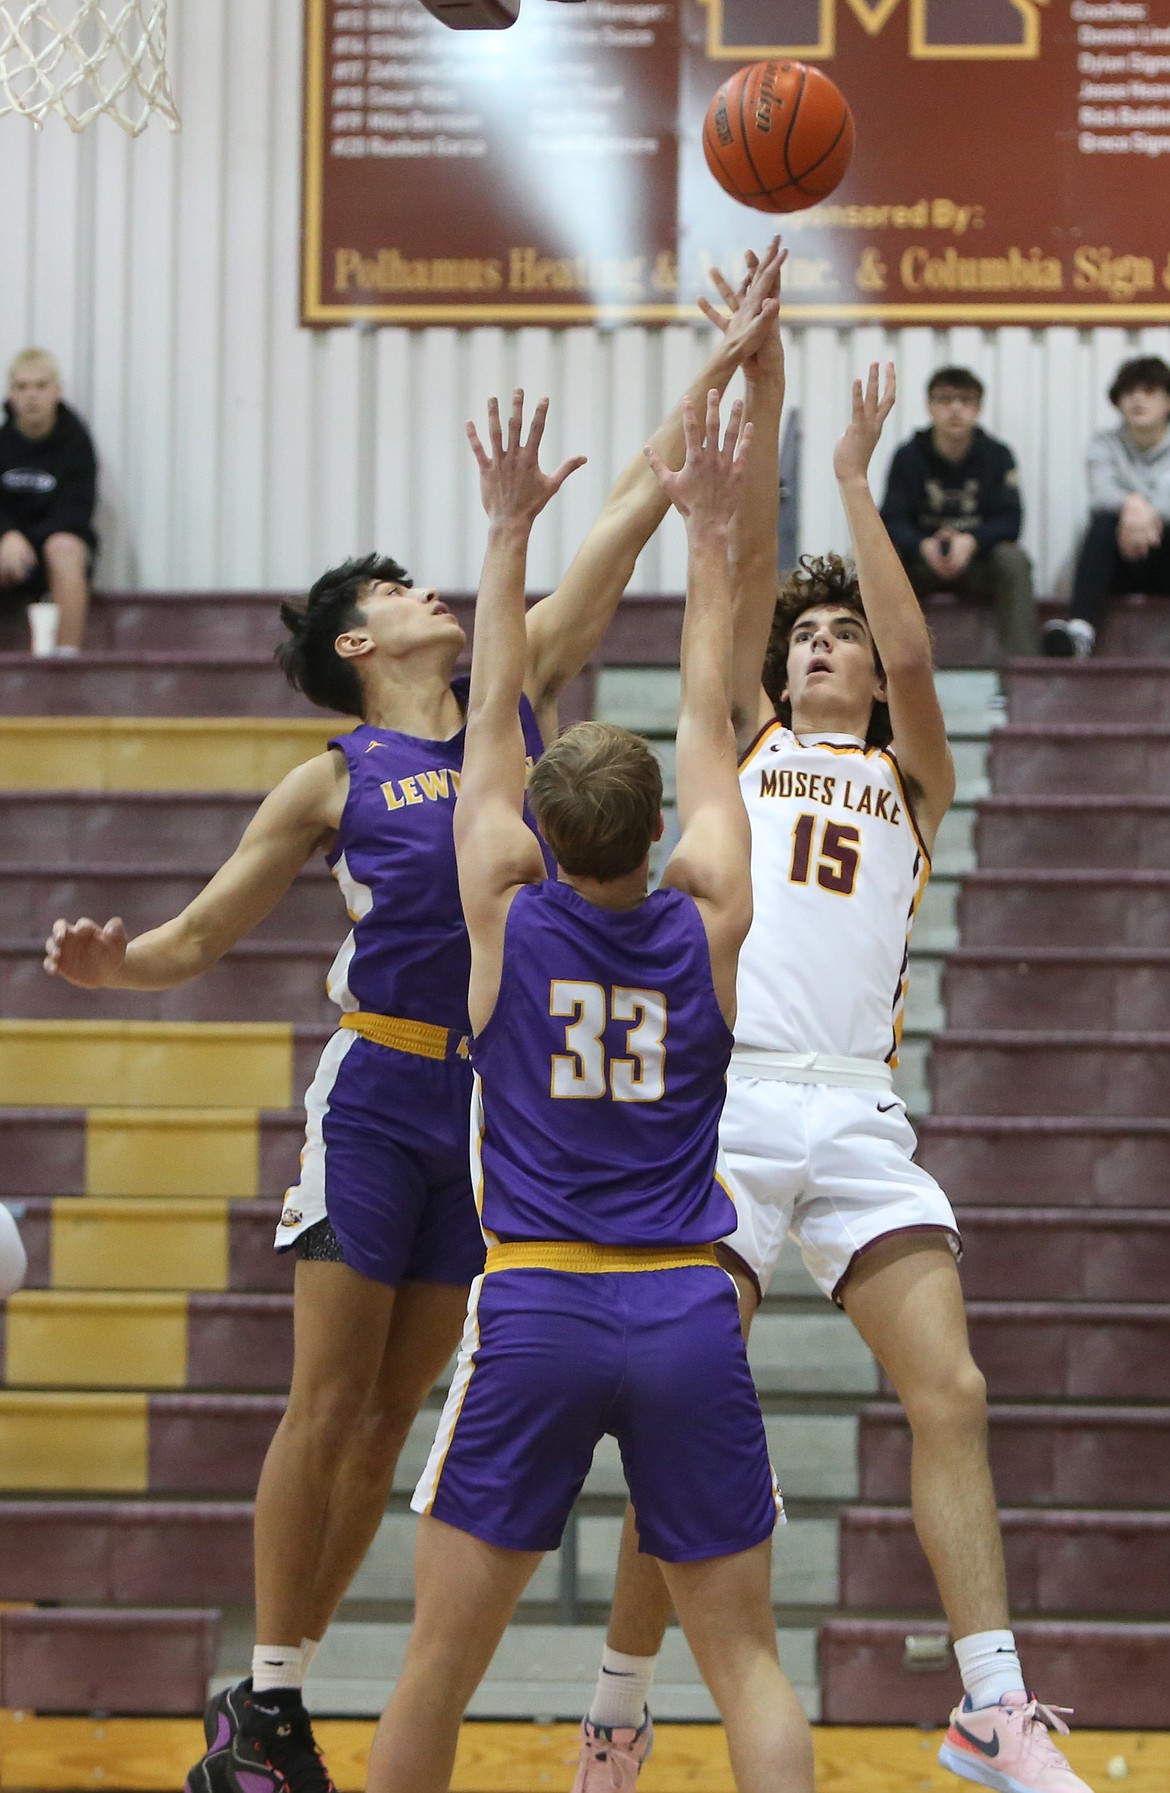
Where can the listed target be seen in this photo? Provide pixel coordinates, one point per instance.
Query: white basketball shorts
(832, 1167)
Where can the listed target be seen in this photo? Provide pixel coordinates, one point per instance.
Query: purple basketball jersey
(394, 859)
(600, 1076)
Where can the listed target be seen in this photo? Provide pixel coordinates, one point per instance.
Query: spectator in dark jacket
(1127, 544)
(952, 508)
(48, 485)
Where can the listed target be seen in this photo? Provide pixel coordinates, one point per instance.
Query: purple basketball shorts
(551, 1361)
(386, 1163)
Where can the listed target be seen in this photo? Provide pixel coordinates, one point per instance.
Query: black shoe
(213, 1773)
(221, 1716)
(276, 1734)
(1057, 641)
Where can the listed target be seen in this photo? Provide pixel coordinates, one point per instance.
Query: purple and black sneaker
(259, 1743)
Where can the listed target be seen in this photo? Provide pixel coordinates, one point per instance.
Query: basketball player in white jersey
(846, 774)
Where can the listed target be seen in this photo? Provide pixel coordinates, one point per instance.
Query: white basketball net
(79, 58)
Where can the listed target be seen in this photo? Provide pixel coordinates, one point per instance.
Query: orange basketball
(778, 136)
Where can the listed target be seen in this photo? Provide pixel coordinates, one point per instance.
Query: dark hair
(310, 660)
(823, 579)
(1143, 370)
(597, 794)
(960, 379)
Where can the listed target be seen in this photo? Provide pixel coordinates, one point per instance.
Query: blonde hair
(597, 794)
(33, 357)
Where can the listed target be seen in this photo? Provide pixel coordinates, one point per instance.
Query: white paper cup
(43, 618)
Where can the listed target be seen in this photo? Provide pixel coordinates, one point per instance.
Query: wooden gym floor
(66, 1755)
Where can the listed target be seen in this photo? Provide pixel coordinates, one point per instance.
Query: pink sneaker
(611, 1757)
(1007, 1747)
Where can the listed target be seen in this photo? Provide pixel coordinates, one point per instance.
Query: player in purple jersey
(601, 1020)
(382, 1217)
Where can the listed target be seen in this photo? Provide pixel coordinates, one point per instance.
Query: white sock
(309, 1648)
(989, 1666)
(276, 1665)
(622, 1688)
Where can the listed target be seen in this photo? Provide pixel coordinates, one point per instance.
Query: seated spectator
(952, 508)
(48, 481)
(1125, 546)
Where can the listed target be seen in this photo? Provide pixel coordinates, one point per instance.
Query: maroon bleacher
(1051, 1130)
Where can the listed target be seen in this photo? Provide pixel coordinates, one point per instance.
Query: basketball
(778, 136)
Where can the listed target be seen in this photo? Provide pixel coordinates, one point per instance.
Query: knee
(65, 553)
(381, 1431)
(951, 1400)
(1009, 557)
(325, 1413)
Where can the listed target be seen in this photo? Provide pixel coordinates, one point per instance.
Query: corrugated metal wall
(240, 451)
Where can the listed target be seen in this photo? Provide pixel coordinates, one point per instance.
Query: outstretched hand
(84, 954)
(511, 484)
(854, 450)
(706, 488)
(751, 325)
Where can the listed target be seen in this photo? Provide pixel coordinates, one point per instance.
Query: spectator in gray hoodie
(1127, 543)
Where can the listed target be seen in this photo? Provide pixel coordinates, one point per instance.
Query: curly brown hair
(819, 579)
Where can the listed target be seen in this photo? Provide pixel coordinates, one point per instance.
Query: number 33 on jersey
(838, 871)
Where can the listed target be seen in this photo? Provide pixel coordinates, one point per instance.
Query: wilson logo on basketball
(765, 102)
(722, 123)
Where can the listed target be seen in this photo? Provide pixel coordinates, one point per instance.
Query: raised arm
(495, 849)
(712, 859)
(894, 614)
(296, 820)
(566, 628)
(754, 526)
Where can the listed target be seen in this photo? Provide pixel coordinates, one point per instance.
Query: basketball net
(79, 58)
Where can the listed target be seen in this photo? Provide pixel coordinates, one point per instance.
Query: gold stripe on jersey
(754, 746)
(904, 975)
(835, 747)
(907, 802)
(580, 1259)
(421, 1038)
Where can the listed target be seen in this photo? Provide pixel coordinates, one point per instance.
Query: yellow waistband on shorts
(420, 1037)
(596, 1260)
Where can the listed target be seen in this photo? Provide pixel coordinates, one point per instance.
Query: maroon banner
(1009, 161)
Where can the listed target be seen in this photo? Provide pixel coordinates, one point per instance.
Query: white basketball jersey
(838, 870)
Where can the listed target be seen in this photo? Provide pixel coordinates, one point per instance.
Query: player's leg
(905, 1299)
(724, 1605)
(260, 1728)
(341, 1328)
(693, 1447)
(1002, 576)
(425, 1326)
(353, 1218)
(641, 1608)
(66, 558)
(434, 1266)
(465, 1592)
(760, 1138)
(538, 1371)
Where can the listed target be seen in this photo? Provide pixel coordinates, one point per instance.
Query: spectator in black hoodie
(48, 484)
(952, 508)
